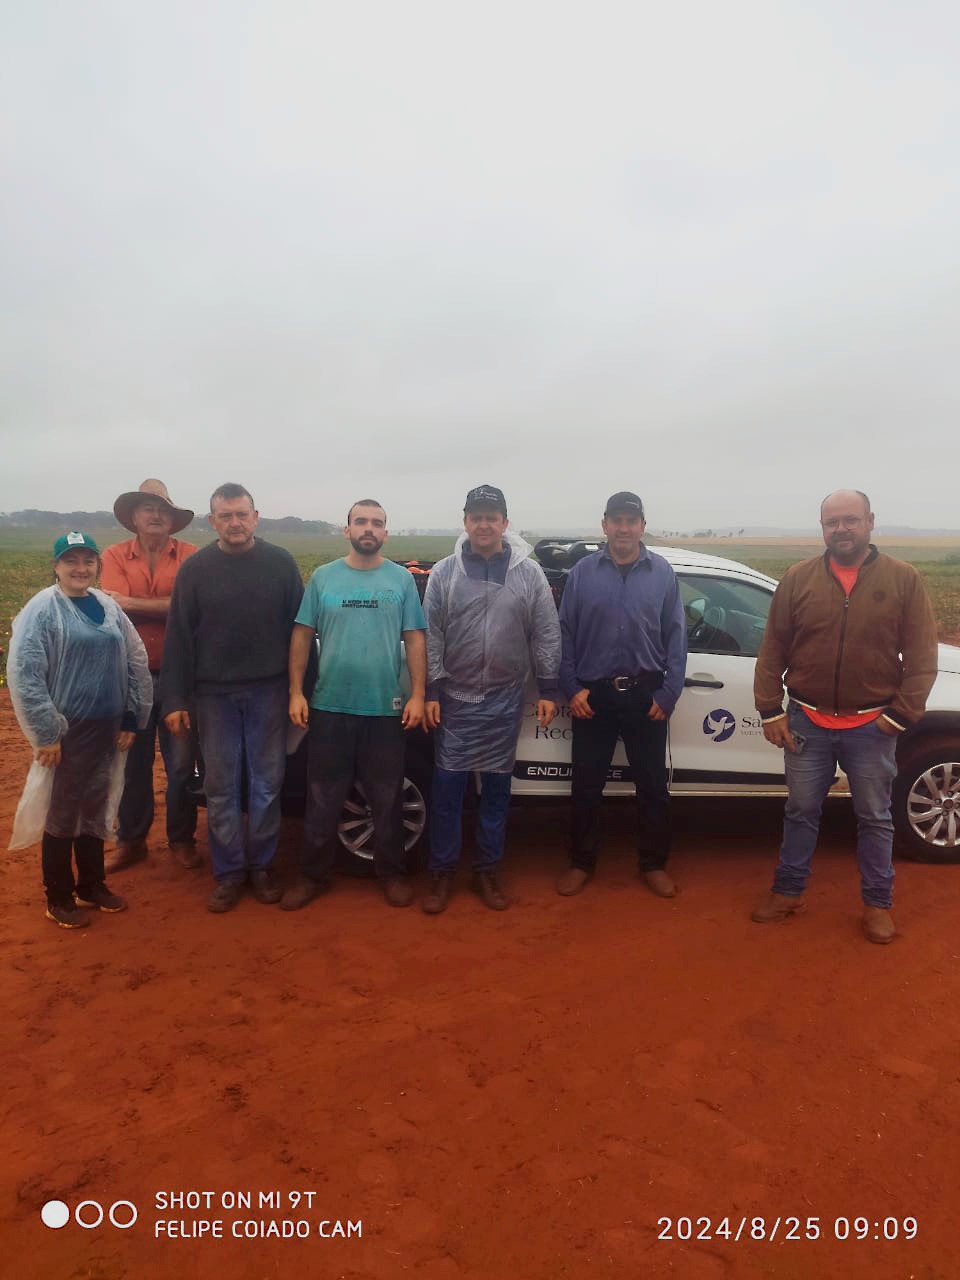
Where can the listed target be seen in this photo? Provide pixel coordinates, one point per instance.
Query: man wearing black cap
(624, 657)
(490, 615)
(140, 574)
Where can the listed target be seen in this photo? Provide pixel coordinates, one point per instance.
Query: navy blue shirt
(616, 624)
(487, 569)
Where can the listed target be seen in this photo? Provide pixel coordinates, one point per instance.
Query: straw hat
(124, 505)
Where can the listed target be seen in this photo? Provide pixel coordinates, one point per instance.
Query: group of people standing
(212, 651)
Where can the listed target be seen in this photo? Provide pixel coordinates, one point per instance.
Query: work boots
(778, 906)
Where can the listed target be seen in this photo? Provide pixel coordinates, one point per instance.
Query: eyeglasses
(846, 522)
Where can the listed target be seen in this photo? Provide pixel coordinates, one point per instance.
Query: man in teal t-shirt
(360, 608)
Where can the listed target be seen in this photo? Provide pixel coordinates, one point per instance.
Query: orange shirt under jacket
(847, 576)
(125, 569)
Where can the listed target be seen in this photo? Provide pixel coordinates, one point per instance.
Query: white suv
(716, 744)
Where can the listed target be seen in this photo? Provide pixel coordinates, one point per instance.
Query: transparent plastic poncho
(50, 670)
(483, 642)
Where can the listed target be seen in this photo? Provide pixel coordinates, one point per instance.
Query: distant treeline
(32, 519)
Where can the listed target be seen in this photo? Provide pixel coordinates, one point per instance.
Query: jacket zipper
(843, 632)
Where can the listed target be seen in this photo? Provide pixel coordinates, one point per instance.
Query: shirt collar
(642, 558)
(136, 554)
(467, 550)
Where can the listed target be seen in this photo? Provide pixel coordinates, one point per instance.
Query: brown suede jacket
(876, 648)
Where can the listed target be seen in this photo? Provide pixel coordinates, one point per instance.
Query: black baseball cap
(624, 503)
(483, 497)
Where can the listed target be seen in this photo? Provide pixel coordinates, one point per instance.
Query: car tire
(927, 778)
(355, 854)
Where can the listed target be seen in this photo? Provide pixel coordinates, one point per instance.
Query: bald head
(848, 495)
(847, 523)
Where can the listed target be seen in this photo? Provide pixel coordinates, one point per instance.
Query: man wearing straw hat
(139, 575)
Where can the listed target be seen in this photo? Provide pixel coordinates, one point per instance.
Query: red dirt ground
(521, 1095)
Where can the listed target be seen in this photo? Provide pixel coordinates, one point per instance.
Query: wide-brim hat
(124, 505)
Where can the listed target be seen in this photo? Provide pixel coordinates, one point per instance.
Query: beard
(366, 546)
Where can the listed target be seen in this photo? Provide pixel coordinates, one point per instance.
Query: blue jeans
(243, 730)
(867, 756)
(446, 819)
(136, 804)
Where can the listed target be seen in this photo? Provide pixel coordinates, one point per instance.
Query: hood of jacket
(520, 549)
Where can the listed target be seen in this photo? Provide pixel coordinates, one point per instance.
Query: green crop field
(25, 563)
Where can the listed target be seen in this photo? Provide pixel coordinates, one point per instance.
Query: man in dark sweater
(228, 635)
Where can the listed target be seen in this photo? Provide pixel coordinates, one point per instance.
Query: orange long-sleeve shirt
(125, 569)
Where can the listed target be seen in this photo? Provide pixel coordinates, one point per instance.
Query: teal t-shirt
(359, 615)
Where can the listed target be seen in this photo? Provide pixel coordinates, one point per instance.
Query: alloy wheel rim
(933, 805)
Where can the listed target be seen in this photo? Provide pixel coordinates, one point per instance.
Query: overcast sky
(707, 251)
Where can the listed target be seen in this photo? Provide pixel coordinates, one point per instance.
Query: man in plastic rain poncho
(490, 617)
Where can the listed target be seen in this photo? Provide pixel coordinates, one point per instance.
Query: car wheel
(356, 833)
(926, 802)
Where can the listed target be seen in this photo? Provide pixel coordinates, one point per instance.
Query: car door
(716, 742)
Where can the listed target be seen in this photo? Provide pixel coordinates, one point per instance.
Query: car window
(724, 615)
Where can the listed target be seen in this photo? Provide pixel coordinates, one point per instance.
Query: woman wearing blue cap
(80, 686)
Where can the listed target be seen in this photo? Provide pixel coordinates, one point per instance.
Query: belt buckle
(621, 683)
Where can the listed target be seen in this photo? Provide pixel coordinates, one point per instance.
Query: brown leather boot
(573, 880)
(127, 854)
(778, 906)
(439, 896)
(491, 895)
(660, 883)
(185, 852)
(397, 890)
(878, 924)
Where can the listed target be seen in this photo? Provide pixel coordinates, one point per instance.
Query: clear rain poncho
(61, 668)
(483, 641)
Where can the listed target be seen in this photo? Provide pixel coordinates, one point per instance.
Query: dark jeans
(244, 728)
(343, 749)
(58, 871)
(622, 715)
(81, 781)
(136, 804)
(446, 819)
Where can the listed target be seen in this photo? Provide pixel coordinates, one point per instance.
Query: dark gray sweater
(230, 621)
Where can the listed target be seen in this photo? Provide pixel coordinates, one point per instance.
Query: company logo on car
(719, 724)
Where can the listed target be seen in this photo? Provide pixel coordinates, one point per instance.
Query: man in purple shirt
(624, 656)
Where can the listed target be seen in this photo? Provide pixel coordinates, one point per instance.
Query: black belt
(649, 680)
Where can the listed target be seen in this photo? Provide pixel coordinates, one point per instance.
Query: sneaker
(225, 896)
(397, 890)
(660, 883)
(778, 906)
(439, 895)
(573, 881)
(185, 852)
(67, 915)
(127, 854)
(304, 891)
(491, 895)
(264, 888)
(878, 924)
(101, 898)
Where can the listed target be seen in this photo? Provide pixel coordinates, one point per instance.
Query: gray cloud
(706, 251)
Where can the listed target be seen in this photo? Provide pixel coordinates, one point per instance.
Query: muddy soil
(540, 1093)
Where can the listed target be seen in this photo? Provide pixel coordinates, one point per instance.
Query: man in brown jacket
(852, 636)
